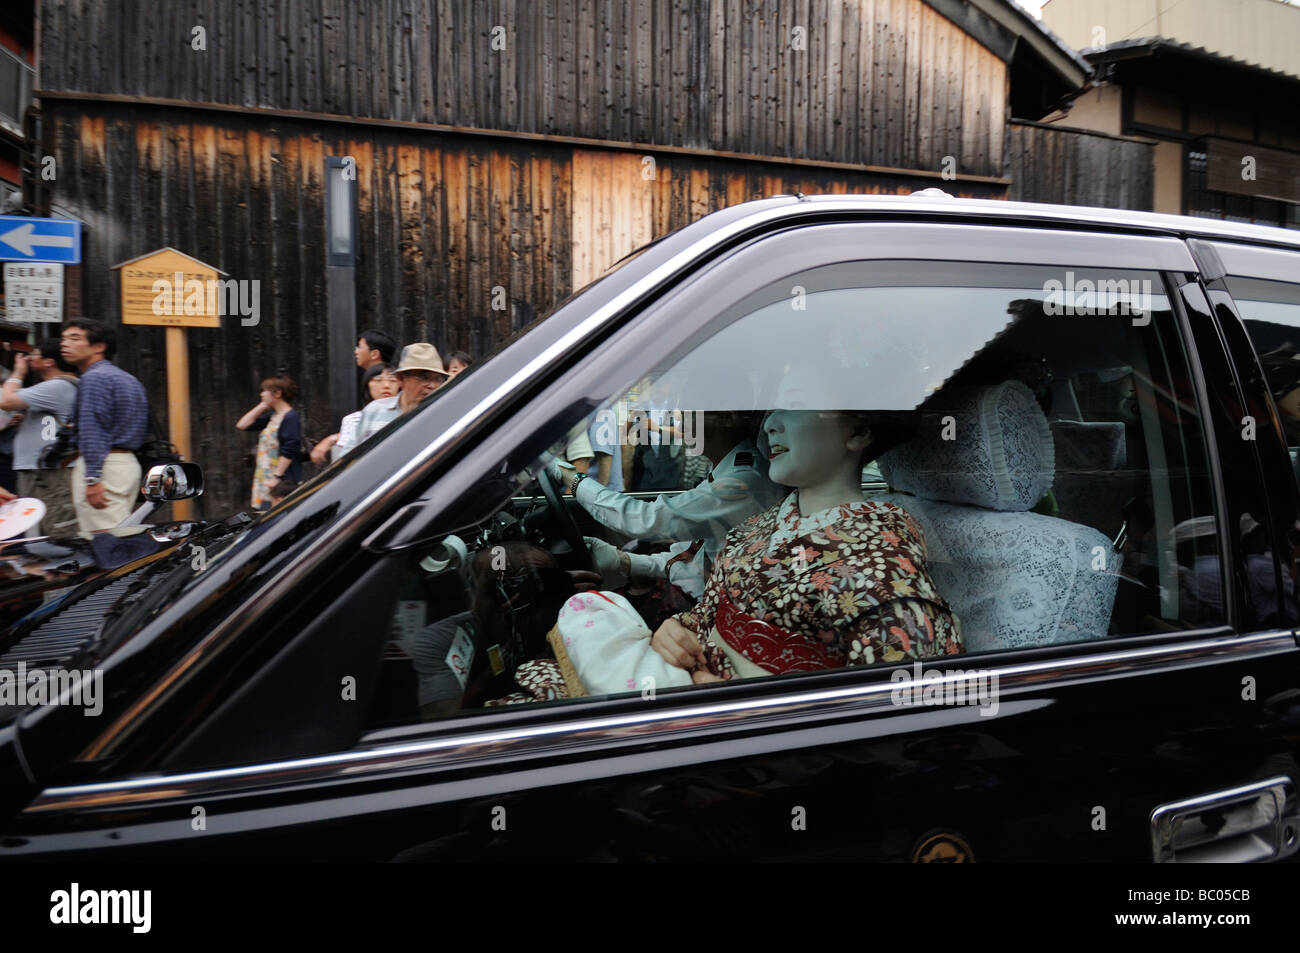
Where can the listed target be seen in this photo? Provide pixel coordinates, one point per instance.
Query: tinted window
(1043, 480)
(1271, 313)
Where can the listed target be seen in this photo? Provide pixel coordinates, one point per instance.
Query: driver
(699, 518)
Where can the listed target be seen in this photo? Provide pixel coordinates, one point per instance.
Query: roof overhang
(1008, 29)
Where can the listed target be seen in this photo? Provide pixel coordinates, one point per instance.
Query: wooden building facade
(504, 146)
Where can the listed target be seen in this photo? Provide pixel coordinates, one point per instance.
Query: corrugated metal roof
(1154, 44)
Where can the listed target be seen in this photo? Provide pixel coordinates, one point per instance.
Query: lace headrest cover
(1000, 455)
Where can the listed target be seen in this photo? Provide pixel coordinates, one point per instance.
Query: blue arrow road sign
(40, 239)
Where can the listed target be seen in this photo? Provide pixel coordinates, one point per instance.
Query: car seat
(1015, 579)
(1093, 480)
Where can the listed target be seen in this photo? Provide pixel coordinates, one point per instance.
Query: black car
(1098, 459)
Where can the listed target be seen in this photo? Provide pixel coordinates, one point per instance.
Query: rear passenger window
(1030, 469)
(1271, 312)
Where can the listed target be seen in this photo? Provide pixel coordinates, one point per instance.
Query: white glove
(608, 562)
(560, 471)
(617, 567)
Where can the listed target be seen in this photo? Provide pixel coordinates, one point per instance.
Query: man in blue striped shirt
(112, 418)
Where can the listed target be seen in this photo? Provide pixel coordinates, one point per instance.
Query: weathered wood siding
(443, 220)
(879, 82)
(623, 200)
(441, 223)
(1076, 167)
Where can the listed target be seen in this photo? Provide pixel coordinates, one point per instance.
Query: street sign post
(40, 239)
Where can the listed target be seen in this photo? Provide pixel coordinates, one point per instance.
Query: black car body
(1172, 736)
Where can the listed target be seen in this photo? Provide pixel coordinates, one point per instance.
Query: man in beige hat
(420, 372)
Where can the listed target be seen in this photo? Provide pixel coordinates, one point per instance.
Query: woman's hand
(320, 452)
(678, 645)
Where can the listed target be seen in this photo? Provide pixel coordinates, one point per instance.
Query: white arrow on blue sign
(40, 239)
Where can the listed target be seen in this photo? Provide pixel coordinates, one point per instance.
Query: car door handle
(1259, 821)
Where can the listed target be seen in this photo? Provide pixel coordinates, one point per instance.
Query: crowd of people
(389, 390)
(72, 424)
(76, 420)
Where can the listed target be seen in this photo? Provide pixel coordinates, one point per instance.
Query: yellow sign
(169, 288)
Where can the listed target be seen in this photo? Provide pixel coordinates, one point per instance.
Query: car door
(1153, 724)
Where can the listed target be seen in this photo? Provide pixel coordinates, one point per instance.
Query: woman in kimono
(823, 579)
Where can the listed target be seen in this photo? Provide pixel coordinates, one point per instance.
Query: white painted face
(808, 445)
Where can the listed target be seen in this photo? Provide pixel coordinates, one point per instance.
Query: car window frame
(708, 292)
(642, 323)
(1281, 490)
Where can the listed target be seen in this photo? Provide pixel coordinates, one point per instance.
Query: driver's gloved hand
(616, 567)
(610, 562)
(560, 471)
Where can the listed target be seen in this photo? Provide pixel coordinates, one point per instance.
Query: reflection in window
(1018, 461)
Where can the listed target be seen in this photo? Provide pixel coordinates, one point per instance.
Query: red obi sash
(769, 647)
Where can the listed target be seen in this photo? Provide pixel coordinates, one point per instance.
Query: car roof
(932, 204)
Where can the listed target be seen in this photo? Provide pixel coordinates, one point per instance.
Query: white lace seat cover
(1015, 579)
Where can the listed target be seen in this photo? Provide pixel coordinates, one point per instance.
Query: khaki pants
(54, 489)
(121, 479)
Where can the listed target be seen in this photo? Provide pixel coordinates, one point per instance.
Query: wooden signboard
(172, 289)
(169, 288)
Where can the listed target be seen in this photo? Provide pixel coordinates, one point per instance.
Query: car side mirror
(173, 481)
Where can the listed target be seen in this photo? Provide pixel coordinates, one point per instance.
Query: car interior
(1058, 473)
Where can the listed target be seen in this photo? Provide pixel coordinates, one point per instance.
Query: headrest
(998, 453)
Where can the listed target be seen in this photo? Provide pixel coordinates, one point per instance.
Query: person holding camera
(48, 405)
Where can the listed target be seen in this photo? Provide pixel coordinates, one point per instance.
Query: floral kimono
(845, 586)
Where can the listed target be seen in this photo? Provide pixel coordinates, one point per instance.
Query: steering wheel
(565, 521)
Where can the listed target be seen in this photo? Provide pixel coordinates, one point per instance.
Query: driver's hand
(560, 472)
(678, 645)
(609, 562)
(584, 580)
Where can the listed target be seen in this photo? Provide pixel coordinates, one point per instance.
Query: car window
(859, 464)
(1270, 311)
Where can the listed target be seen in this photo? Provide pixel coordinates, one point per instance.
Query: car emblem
(942, 847)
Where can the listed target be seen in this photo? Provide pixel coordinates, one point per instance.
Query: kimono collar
(789, 520)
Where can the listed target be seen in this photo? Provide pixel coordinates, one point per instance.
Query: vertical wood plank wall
(444, 220)
(1074, 167)
(878, 82)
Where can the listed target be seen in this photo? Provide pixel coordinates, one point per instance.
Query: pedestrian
(279, 445)
(9, 422)
(374, 347)
(48, 405)
(458, 361)
(380, 381)
(420, 373)
(111, 420)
